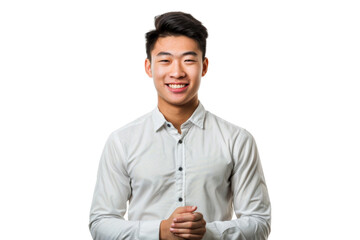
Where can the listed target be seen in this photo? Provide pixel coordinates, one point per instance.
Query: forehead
(175, 44)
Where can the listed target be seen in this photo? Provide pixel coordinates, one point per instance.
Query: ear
(148, 67)
(205, 66)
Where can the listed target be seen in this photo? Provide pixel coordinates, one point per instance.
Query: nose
(177, 70)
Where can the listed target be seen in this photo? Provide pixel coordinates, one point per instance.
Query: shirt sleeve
(250, 196)
(111, 194)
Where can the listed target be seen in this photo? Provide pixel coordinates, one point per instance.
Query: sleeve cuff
(212, 232)
(149, 230)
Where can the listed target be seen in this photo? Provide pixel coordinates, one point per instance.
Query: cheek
(195, 72)
(158, 75)
(158, 72)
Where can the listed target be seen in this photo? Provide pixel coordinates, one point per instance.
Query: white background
(72, 72)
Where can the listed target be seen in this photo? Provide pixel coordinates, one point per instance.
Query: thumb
(186, 209)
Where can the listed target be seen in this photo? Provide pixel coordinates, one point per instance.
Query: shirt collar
(196, 118)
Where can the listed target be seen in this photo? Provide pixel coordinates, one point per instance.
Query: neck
(178, 114)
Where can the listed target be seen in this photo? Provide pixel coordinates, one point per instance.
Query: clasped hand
(184, 223)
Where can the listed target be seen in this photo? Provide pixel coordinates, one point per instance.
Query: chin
(180, 102)
(177, 103)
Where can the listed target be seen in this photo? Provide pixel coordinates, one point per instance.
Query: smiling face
(176, 67)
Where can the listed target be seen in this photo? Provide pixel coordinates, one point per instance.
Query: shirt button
(180, 141)
(168, 125)
(180, 168)
(180, 199)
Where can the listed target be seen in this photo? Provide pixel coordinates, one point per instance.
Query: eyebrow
(190, 53)
(184, 54)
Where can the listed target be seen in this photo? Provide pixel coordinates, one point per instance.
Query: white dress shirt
(212, 164)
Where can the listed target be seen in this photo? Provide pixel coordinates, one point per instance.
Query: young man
(182, 169)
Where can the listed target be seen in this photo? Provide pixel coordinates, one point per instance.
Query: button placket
(180, 181)
(179, 164)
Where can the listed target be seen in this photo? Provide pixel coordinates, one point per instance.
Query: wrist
(162, 234)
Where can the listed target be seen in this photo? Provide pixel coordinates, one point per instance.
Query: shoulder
(225, 127)
(133, 129)
(236, 138)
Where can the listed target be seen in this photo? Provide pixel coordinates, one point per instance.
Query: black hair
(176, 24)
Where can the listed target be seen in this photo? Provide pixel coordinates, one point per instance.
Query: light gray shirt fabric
(212, 164)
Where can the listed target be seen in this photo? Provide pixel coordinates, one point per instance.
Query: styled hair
(176, 24)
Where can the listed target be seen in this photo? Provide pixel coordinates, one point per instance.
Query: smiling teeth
(177, 85)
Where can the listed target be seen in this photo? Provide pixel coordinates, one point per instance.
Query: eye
(164, 61)
(190, 60)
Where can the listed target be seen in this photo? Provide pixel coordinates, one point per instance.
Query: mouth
(177, 87)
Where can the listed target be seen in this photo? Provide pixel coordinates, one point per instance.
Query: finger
(188, 217)
(191, 225)
(197, 231)
(190, 236)
(185, 209)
